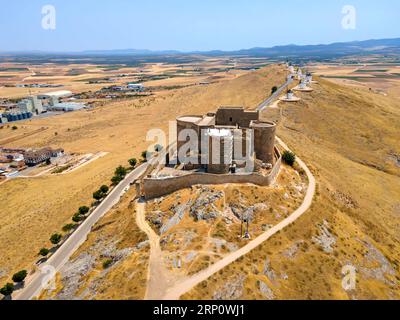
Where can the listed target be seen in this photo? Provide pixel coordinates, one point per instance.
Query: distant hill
(383, 46)
(321, 51)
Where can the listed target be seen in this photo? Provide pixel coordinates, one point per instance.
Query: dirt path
(22, 136)
(158, 277)
(186, 285)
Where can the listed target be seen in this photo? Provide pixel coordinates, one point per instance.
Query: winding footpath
(160, 289)
(181, 287)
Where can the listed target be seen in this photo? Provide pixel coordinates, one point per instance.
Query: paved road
(275, 95)
(61, 256)
(186, 285)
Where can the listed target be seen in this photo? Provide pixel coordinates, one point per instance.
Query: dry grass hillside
(349, 137)
(111, 264)
(33, 209)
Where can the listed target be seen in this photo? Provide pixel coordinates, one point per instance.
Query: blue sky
(190, 25)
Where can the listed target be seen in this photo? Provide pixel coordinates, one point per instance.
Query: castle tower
(264, 140)
(220, 150)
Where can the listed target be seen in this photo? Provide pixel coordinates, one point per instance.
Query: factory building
(31, 104)
(227, 139)
(138, 87)
(66, 106)
(58, 94)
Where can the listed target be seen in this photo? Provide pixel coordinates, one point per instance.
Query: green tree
(289, 157)
(77, 217)
(7, 289)
(55, 238)
(104, 189)
(120, 171)
(14, 128)
(144, 155)
(68, 227)
(98, 195)
(48, 162)
(83, 210)
(274, 89)
(19, 276)
(132, 162)
(44, 252)
(116, 179)
(107, 263)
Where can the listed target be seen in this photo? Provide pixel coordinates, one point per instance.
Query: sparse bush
(68, 227)
(289, 157)
(55, 238)
(98, 195)
(7, 289)
(83, 210)
(104, 189)
(144, 156)
(116, 179)
(77, 217)
(120, 171)
(19, 276)
(107, 263)
(14, 128)
(132, 162)
(44, 252)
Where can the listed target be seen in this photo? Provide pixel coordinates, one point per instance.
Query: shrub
(104, 189)
(144, 155)
(98, 195)
(44, 252)
(68, 227)
(19, 276)
(132, 162)
(83, 210)
(77, 218)
(107, 263)
(120, 171)
(274, 89)
(289, 158)
(55, 238)
(14, 128)
(116, 179)
(7, 289)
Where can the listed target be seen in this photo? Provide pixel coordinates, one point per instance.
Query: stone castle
(232, 135)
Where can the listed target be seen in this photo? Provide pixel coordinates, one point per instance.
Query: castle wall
(153, 188)
(231, 116)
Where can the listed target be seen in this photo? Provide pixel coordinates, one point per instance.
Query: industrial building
(226, 139)
(66, 106)
(58, 94)
(138, 87)
(31, 104)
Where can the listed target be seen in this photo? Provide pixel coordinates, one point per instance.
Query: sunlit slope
(350, 139)
(33, 209)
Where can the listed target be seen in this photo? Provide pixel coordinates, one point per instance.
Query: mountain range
(320, 51)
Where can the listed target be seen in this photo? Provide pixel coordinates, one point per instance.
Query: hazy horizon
(190, 26)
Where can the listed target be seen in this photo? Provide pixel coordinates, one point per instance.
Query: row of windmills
(305, 81)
